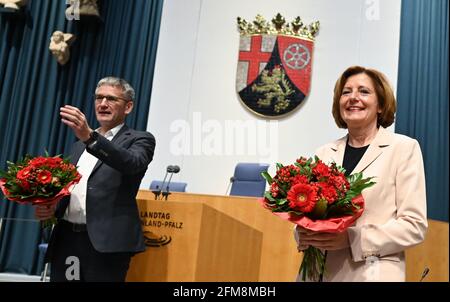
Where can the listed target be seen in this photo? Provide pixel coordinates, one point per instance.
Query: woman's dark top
(352, 156)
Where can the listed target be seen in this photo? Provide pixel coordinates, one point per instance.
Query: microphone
(173, 170)
(425, 273)
(158, 190)
(232, 179)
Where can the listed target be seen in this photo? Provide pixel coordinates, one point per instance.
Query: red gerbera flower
(302, 197)
(25, 173)
(44, 177)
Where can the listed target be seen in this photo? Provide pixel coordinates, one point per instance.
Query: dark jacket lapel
(123, 133)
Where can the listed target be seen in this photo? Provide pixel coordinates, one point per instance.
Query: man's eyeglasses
(110, 99)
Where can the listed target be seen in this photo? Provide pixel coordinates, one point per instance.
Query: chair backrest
(173, 186)
(247, 179)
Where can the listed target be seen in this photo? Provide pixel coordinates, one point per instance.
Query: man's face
(111, 106)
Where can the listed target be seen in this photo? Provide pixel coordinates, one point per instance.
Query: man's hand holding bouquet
(40, 181)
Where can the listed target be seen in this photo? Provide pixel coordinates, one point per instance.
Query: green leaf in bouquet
(281, 201)
(298, 213)
(306, 170)
(365, 183)
(351, 194)
(279, 166)
(340, 168)
(25, 196)
(267, 177)
(339, 210)
(353, 178)
(268, 196)
(9, 163)
(320, 210)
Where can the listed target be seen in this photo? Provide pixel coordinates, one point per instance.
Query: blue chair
(173, 186)
(247, 180)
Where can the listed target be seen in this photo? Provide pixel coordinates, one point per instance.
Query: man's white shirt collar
(112, 132)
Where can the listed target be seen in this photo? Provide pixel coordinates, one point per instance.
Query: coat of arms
(274, 67)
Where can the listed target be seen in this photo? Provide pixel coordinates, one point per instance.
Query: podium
(200, 237)
(199, 249)
(193, 242)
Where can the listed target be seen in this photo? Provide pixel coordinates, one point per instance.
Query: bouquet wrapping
(38, 180)
(317, 197)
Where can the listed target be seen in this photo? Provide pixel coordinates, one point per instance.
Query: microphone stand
(158, 192)
(229, 184)
(424, 273)
(167, 193)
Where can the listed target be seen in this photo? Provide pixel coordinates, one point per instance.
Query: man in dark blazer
(99, 229)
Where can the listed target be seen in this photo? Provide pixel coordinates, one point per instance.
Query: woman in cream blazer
(395, 207)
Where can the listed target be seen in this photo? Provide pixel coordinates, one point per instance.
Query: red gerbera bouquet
(39, 180)
(317, 197)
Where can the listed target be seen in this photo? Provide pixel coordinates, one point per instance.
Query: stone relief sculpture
(59, 46)
(13, 4)
(85, 7)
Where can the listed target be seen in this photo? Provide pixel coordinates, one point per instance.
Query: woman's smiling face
(358, 103)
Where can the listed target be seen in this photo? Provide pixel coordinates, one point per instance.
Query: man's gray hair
(128, 91)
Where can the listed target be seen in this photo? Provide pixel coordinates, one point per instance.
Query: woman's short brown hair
(385, 95)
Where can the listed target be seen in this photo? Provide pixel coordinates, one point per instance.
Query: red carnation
(321, 170)
(299, 179)
(327, 191)
(38, 161)
(54, 162)
(302, 197)
(340, 182)
(44, 177)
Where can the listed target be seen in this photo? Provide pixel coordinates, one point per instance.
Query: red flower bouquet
(317, 197)
(39, 180)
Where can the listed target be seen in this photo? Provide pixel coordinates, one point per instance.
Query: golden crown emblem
(278, 26)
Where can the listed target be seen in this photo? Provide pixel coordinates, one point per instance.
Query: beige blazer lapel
(381, 140)
(338, 149)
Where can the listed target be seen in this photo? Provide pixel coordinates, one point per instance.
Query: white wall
(194, 83)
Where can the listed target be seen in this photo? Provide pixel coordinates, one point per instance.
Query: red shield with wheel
(274, 73)
(296, 57)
